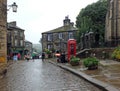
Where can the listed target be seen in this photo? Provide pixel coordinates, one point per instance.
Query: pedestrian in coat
(15, 57)
(63, 60)
(43, 56)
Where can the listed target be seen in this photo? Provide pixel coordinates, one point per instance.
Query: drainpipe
(116, 22)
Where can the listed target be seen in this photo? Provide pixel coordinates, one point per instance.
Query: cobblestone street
(42, 76)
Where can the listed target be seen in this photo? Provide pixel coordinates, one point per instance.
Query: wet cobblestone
(42, 76)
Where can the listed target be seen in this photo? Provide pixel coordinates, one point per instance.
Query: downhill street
(42, 76)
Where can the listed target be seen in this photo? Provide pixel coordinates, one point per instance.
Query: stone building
(112, 33)
(3, 30)
(15, 39)
(28, 48)
(56, 39)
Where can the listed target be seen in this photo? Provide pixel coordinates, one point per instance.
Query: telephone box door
(71, 51)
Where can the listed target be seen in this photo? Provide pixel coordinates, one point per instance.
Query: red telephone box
(71, 44)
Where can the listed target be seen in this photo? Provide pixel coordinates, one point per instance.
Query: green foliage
(92, 18)
(53, 50)
(74, 59)
(47, 51)
(116, 53)
(91, 61)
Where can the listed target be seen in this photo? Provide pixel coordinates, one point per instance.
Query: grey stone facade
(56, 39)
(15, 39)
(112, 33)
(28, 47)
(3, 23)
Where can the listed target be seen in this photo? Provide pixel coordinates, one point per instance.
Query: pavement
(106, 77)
(2, 69)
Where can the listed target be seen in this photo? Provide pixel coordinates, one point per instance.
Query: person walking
(33, 57)
(15, 57)
(28, 57)
(63, 60)
(58, 55)
(43, 56)
(19, 56)
(8, 58)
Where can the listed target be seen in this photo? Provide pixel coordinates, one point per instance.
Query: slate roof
(28, 41)
(61, 29)
(10, 26)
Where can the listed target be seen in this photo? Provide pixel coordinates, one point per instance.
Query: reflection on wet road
(42, 76)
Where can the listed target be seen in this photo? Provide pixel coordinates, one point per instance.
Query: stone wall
(3, 30)
(101, 53)
(112, 31)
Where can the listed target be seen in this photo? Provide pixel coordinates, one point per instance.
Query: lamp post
(14, 9)
(13, 6)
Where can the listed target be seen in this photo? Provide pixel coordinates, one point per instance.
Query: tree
(92, 18)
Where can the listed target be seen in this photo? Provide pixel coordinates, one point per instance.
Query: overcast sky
(37, 16)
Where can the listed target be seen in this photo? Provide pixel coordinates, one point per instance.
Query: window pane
(16, 43)
(70, 35)
(21, 42)
(16, 32)
(49, 37)
(21, 34)
(60, 35)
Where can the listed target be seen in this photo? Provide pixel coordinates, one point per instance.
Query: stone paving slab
(3, 67)
(108, 62)
(103, 77)
(42, 76)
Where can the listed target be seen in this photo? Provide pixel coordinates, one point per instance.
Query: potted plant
(91, 63)
(116, 53)
(48, 52)
(74, 61)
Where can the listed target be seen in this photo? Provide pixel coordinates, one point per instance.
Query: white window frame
(15, 33)
(21, 42)
(48, 47)
(21, 34)
(16, 42)
(60, 35)
(49, 37)
(70, 34)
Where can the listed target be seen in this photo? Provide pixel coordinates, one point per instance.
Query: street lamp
(13, 6)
